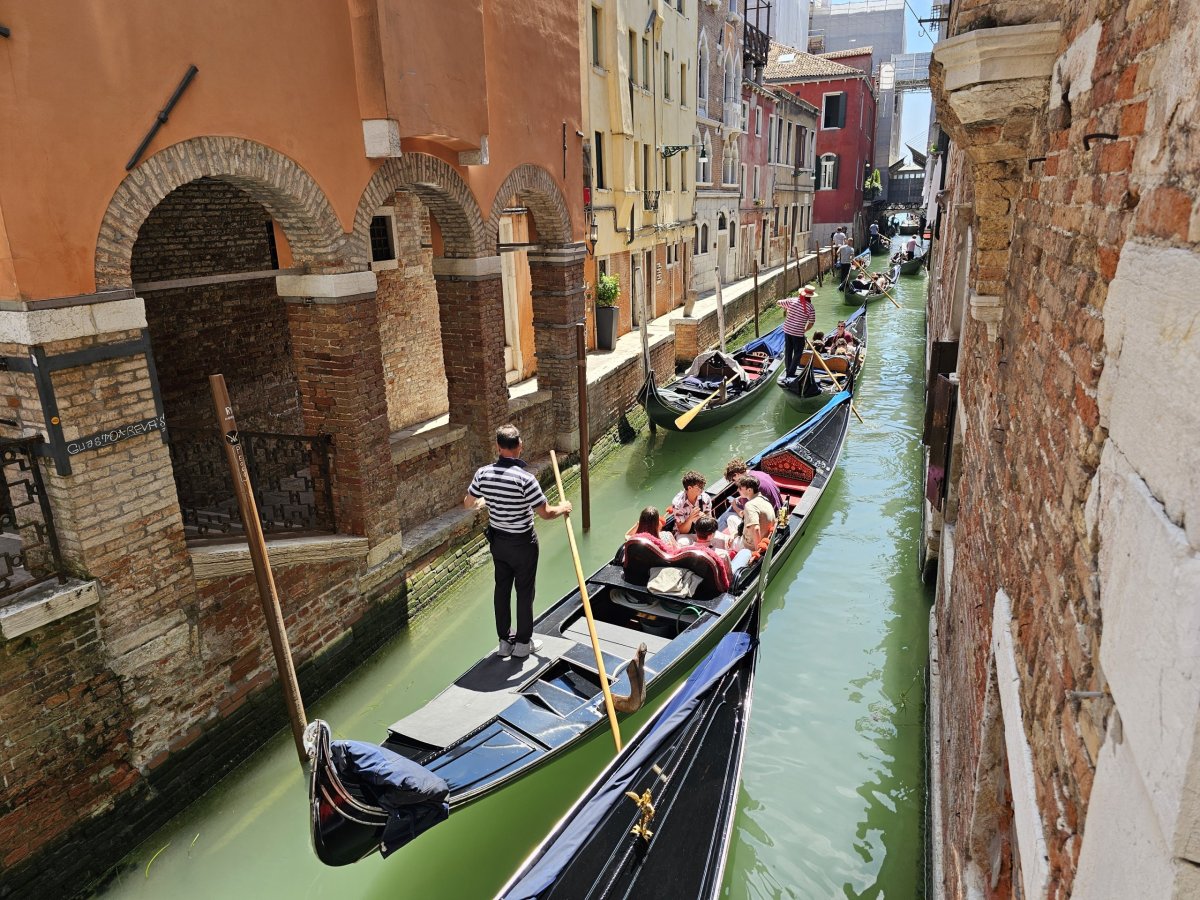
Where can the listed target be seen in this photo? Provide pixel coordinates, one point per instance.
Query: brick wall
(410, 331)
(205, 227)
(1048, 238)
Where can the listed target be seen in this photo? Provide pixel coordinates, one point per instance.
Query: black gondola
(910, 266)
(813, 383)
(505, 717)
(861, 297)
(745, 374)
(658, 821)
(880, 244)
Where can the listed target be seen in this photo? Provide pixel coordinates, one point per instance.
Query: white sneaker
(520, 651)
(505, 648)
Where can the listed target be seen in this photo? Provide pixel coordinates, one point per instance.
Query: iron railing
(756, 46)
(29, 552)
(290, 474)
(650, 201)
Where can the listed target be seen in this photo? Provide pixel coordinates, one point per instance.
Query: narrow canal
(832, 798)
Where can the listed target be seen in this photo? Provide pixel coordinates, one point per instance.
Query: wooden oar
(867, 272)
(683, 421)
(837, 384)
(587, 609)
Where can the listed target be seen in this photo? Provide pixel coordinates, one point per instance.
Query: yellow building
(639, 87)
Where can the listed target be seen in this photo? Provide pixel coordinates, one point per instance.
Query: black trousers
(793, 350)
(515, 557)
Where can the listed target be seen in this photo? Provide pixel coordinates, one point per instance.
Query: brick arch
(537, 190)
(442, 189)
(287, 191)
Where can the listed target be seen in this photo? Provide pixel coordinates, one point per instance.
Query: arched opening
(721, 225)
(704, 238)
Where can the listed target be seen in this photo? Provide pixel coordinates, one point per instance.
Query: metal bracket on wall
(1097, 136)
(42, 366)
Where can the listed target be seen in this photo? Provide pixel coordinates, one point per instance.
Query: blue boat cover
(770, 343)
(802, 429)
(559, 853)
(413, 797)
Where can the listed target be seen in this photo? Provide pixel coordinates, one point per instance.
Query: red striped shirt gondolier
(799, 315)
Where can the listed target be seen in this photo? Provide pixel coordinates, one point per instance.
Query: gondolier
(845, 256)
(512, 495)
(799, 317)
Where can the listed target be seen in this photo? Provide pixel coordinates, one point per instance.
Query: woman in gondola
(650, 526)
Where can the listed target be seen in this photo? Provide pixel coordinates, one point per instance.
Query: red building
(845, 100)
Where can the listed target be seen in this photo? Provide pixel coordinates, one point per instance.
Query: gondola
(859, 297)
(911, 266)
(908, 226)
(880, 244)
(657, 823)
(505, 718)
(812, 382)
(744, 375)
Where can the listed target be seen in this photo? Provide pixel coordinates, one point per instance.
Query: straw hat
(808, 292)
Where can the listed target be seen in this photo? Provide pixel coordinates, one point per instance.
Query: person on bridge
(510, 493)
(799, 317)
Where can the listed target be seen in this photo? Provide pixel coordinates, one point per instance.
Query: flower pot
(607, 319)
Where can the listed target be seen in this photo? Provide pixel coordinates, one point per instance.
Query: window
(637, 166)
(596, 22)
(834, 115)
(778, 140)
(775, 221)
(602, 266)
(732, 233)
(646, 63)
(721, 221)
(756, 182)
(745, 115)
(383, 247)
(704, 238)
(683, 84)
(742, 181)
(696, 242)
(787, 148)
(771, 139)
(828, 174)
(666, 76)
(679, 6)
(731, 81)
(598, 150)
(683, 170)
(702, 69)
(647, 166)
(666, 174)
(758, 121)
(632, 57)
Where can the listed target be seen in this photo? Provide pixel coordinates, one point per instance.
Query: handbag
(669, 581)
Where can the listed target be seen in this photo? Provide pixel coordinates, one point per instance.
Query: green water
(831, 800)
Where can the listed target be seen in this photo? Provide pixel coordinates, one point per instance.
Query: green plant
(608, 288)
(874, 181)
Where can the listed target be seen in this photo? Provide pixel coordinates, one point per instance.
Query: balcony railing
(731, 117)
(290, 474)
(756, 47)
(650, 201)
(29, 553)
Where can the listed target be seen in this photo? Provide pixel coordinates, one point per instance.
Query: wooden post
(720, 311)
(796, 256)
(584, 436)
(248, 509)
(756, 333)
(820, 276)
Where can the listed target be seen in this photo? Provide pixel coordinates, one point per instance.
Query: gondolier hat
(808, 292)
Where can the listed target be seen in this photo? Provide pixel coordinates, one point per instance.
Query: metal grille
(290, 474)
(381, 239)
(29, 551)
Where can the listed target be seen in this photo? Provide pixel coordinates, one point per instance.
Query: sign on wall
(116, 435)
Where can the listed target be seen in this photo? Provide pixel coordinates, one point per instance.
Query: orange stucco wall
(84, 82)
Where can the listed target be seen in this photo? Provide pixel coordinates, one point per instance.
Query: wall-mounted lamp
(593, 236)
(670, 150)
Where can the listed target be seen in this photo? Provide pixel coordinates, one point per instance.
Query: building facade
(791, 154)
(1060, 485)
(845, 100)
(876, 27)
(718, 128)
(755, 176)
(641, 81)
(318, 218)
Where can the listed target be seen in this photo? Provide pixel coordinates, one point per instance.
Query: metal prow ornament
(636, 697)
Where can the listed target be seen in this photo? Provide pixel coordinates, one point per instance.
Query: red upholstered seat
(788, 466)
(642, 555)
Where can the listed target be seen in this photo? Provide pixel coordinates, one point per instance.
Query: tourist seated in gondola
(818, 339)
(841, 348)
(650, 525)
(706, 530)
(690, 504)
(736, 468)
(758, 518)
(840, 334)
(859, 283)
(881, 281)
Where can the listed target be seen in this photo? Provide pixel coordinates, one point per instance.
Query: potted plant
(872, 185)
(608, 289)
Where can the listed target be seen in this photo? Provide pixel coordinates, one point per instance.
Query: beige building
(791, 157)
(639, 86)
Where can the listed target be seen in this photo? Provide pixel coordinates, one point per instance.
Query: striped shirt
(511, 492)
(799, 315)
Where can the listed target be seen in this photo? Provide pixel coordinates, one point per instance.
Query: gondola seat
(641, 555)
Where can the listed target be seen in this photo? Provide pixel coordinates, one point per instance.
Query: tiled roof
(838, 54)
(786, 64)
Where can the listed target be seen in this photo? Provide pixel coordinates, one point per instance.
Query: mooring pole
(584, 437)
(248, 509)
(756, 334)
(820, 277)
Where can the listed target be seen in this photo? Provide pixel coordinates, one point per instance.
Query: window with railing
(29, 552)
(290, 475)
